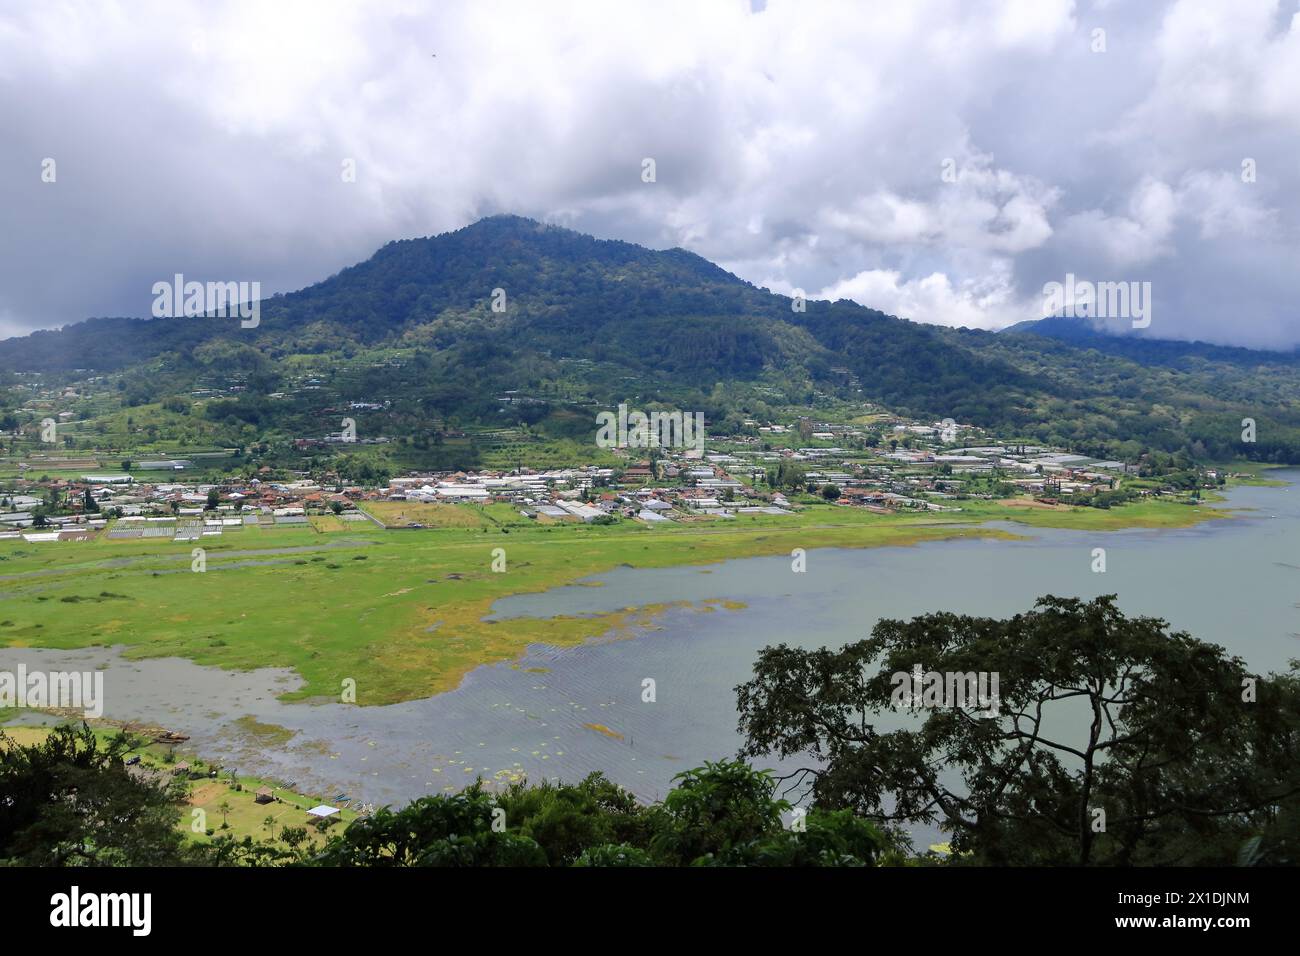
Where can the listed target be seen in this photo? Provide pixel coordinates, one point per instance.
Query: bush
(611, 854)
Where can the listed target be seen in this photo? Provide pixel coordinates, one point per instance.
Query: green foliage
(787, 475)
(432, 831)
(720, 814)
(70, 801)
(1184, 762)
(568, 819)
(591, 323)
(835, 838)
(608, 854)
(357, 468)
(715, 809)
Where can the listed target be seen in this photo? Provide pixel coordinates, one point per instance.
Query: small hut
(263, 795)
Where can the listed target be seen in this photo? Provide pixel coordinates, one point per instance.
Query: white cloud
(980, 304)
(799, 145)
(1223, 205)
(1131, 238)
(1229, 62)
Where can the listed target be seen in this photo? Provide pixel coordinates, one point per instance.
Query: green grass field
(242, 816)
(1149, 513)
(401, 612)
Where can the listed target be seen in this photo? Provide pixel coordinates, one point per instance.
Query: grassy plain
(1150, 513)
(402, 612)
(242, 816)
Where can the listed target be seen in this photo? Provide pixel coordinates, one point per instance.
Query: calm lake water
(561, 713)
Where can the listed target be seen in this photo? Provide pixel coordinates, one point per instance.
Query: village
(771, 469)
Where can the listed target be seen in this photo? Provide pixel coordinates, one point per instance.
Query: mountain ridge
(510, 304)
(1095, 333)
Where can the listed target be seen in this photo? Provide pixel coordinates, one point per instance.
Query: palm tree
(269, 824)
(224, 810)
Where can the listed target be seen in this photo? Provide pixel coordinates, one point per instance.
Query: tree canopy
(1114, 740)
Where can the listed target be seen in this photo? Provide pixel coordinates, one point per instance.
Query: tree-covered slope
(439, 326)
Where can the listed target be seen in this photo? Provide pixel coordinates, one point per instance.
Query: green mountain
(581, 322)
(1104, 336)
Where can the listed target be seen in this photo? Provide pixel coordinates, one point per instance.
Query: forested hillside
(581, 322)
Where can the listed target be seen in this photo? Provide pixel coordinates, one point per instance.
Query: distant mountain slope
(1145, 347)
(668, 314)
(597, 321)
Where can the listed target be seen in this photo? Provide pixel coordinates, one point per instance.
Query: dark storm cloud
(800, 145)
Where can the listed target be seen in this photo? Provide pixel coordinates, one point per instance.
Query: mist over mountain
(1117, 336)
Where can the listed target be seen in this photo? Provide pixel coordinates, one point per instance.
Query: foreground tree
(727, 814)
(454, 830)
(70, 801)
(721, 814)
(1113, 740)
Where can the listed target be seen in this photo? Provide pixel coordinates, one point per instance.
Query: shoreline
(444, 627)
(331, 750)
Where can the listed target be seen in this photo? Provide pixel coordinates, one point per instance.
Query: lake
(561, 713)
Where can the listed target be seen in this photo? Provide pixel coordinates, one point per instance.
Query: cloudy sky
(938, 160)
